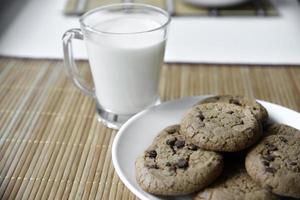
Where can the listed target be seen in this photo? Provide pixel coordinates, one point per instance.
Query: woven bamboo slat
(52, 146)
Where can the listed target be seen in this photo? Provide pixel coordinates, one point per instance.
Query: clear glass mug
(125, 45)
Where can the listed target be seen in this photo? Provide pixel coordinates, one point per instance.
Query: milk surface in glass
(126, 64)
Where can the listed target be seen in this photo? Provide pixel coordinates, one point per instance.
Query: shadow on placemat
(180, 8)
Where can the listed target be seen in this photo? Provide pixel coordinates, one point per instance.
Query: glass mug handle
(70, 64)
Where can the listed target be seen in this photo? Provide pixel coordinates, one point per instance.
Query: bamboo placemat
(52, 146)
(180, 7)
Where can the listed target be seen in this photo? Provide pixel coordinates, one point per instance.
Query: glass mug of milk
(125, 45)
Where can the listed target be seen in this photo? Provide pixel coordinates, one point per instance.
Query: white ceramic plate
(137, 134)
(215, 3)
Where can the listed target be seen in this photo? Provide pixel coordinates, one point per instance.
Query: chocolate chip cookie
(221, 127)
(281, 129)
(235, 183)
(174, 166)
(275, 164)
(256, 108)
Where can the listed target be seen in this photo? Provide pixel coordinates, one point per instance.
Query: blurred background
(202, 31)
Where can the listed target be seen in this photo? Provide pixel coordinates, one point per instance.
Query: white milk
(126, 67)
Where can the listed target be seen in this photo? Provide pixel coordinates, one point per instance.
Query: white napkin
(35, 31)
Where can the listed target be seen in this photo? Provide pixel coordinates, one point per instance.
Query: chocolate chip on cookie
(293, 163)
(270, 170)
(266, 163)
(179, 144)
(182, 163)
(271, 147)
(171, 130)
(154, 166)
(268, 158)
(151, 154)
(200, 116)
(283, 139)
(171, 141)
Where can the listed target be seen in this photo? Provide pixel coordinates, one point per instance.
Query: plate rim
(138, 115)
(118, 135)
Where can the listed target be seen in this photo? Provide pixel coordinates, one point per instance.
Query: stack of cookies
(223, 149)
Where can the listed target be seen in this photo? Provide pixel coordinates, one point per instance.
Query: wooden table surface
(53, 147)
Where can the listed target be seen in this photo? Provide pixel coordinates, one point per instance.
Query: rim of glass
(89, 28)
